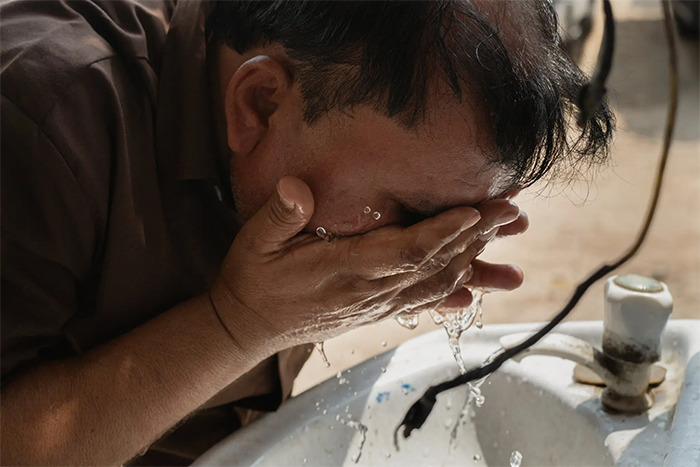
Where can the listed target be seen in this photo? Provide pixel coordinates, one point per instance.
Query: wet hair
(505, 61)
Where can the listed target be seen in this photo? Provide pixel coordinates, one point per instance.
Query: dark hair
(389, 54)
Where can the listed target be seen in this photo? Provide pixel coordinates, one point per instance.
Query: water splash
(362, 430)
(458, 321)
(341, 379)
(515, 459)
(407, 320)
(319, 347)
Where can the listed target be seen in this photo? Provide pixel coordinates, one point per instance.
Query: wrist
(238, 322)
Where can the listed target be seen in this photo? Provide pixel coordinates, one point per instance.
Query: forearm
(108, 405)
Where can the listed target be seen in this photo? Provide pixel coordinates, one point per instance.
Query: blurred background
(576, 227)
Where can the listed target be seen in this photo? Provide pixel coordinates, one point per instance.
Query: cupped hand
(278, 287)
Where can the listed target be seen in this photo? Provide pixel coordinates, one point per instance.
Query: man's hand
(277, 288)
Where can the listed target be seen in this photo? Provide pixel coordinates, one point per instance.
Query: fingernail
(288, 204)
(507, 217)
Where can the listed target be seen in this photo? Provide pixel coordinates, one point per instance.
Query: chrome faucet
(637, 309)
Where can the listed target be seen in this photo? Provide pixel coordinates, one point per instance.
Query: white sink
(534, 407)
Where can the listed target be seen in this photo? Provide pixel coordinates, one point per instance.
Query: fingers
(437, 286)
(485, 276)
(496, 213)
(286, 213)
(516, 227)
(494, 276)
(461, 298)
(390, 251)
(449, 288)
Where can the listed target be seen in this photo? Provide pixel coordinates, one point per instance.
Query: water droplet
(409, 321)
(387, 455)
(325, 411)
(321, 232)
(304, 461)
(515, 459)
(383, 370)
(367, 210)
(437, 317)
(477, 457)
(319, 347)
(383, 343)
(376, 215)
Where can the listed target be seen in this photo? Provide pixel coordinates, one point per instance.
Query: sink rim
(251, 448)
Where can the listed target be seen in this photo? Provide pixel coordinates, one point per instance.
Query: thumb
(286, 213)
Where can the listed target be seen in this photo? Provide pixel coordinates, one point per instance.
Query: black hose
(420, 410)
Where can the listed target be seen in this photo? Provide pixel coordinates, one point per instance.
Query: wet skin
(424, 182)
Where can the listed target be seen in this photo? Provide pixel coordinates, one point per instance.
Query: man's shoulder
(47, 46)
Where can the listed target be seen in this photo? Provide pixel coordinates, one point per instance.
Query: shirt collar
(185, 126)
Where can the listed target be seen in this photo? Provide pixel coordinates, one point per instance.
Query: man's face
(367, 162)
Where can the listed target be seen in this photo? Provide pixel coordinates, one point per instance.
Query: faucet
(637, 309)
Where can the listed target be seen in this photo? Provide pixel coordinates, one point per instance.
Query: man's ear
(253, 94)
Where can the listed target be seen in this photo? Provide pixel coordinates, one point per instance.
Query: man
(166, 168)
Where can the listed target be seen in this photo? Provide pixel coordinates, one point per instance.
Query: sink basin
(533, 407)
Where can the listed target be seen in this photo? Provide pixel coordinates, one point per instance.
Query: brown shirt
(115, 204)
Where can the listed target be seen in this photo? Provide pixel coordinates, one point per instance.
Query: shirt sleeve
(48, 236)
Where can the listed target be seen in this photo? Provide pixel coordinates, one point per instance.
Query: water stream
(457, 321)
(319, 347)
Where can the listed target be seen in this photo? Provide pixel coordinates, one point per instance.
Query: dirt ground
(575, 228)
